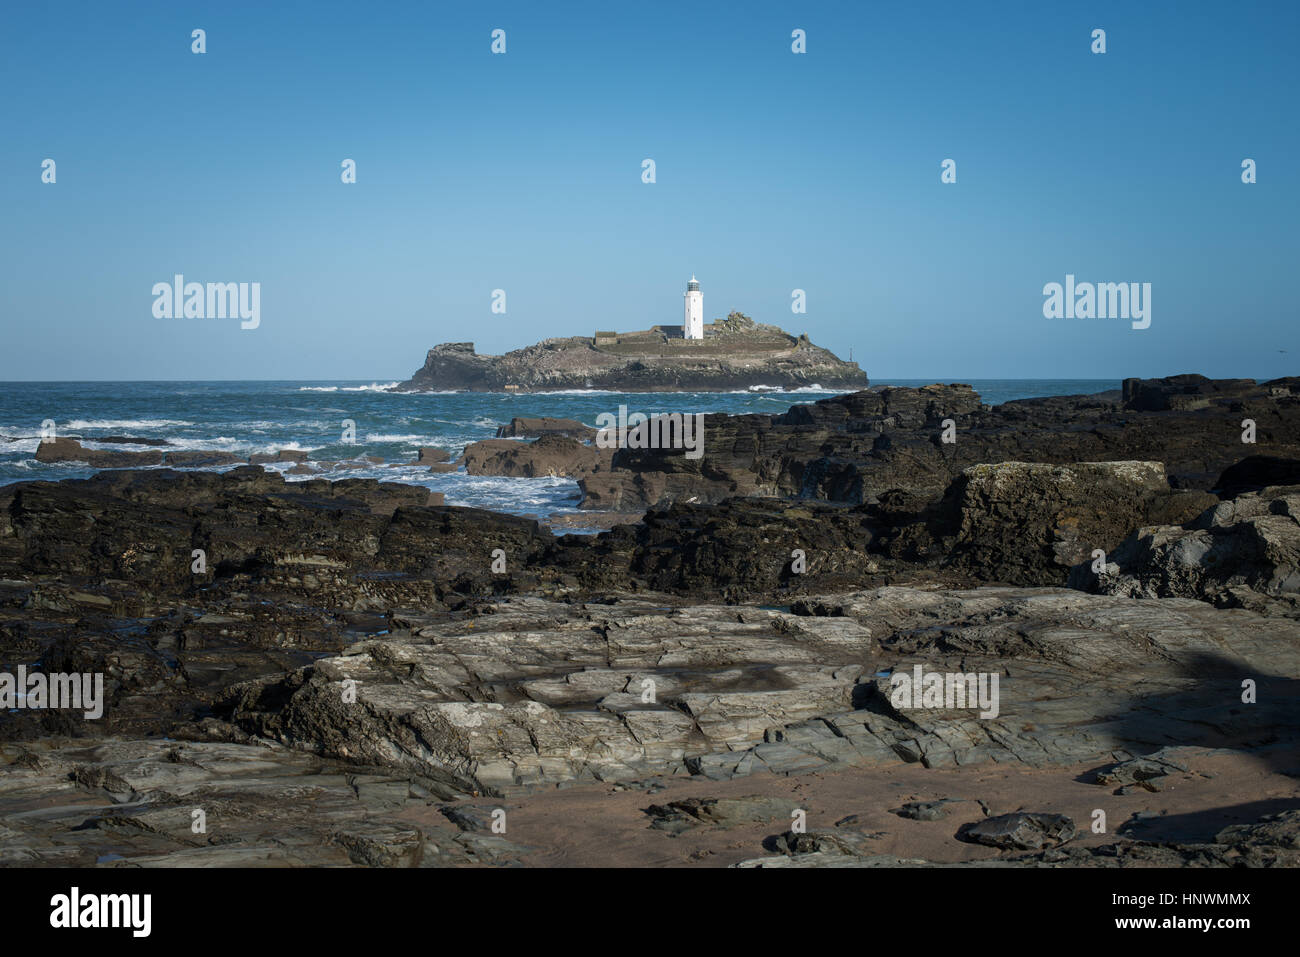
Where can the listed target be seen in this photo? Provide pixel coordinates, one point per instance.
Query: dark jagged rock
(923, 810)
(853, 448)
(1188, 392)
(808, 451)
(103, 572)
(1031, 523)
(1022, 832)
(1255, 473)
(432, 456)
(201, 459)
(125, 440)
(70, 450)
(1242, 553)
(552, 454)
(1142, 772)
(1018, 523)
(284, 455)
(526, 428)
(823, 842)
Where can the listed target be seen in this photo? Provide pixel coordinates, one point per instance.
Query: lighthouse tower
(693, 317)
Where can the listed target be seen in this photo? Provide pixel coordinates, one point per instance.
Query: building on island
(693, 311)
(692, 326)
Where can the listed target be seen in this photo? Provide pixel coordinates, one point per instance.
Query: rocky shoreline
(355, 673)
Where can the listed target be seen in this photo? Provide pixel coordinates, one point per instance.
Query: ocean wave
(217, 443)
(373, 387)
(125, 423)
(498, 493)
(408, 439)
(479, 422)
(765, 390)
(786, 402)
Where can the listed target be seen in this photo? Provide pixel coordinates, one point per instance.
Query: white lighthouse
(693, 316)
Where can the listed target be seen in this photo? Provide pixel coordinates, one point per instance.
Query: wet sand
(600, 826)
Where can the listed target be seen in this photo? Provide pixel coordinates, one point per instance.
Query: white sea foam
(125, 423)
(373, 387)
(765, 391)
(408, 439)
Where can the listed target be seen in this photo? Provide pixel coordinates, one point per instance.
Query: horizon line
(872, 380)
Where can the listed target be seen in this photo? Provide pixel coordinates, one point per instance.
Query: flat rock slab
(541, 693)
(678, 816)
(157, 803)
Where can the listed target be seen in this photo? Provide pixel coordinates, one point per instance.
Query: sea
(248, 417)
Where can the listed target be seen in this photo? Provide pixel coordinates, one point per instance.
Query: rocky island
(732, 353)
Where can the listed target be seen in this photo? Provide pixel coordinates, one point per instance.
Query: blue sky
(522, 172)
